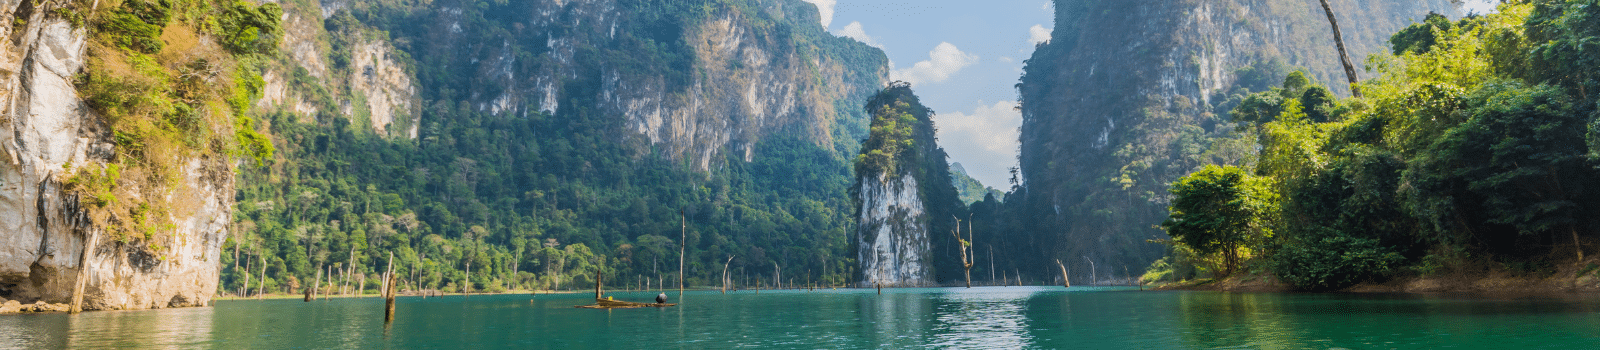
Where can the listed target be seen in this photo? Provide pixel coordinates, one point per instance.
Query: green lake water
(990, 317)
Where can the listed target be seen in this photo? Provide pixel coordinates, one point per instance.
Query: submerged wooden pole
(725, 274)
(1066, 279)
(83, 273)
(388, 300)
(683, 243)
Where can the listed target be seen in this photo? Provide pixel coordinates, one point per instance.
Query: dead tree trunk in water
(1067, 280)
(683, 244)
(1344, 57)
(964, 246)
(311, 293)
(725, 274)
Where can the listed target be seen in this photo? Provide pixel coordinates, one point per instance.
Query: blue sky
(963, 58)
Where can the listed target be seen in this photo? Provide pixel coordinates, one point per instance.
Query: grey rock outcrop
(46, 133)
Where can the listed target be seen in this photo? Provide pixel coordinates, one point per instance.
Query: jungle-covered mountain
(534, 142)
(1473, 152)
(1128, 96)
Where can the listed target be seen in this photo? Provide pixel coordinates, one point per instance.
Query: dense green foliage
(1217, 211)
(169, 96)
(1472, 149)
(1129, 96)
(496, 201)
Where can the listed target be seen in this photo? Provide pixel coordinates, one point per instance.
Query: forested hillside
(1474, 150)
(1127, 96)
(970, 190)
(534, 143)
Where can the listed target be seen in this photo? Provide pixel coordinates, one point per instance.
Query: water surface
(989, 317)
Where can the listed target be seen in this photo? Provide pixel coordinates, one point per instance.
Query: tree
(1522, 152)
(1217, 210)
(1344, 57)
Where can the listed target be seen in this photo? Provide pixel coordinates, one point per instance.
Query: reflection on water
(993, 317)
(983, 318)
(150, 329)
(158, 329)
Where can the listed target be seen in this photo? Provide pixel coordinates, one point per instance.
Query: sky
(963, 58)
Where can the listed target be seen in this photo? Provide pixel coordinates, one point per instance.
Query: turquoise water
(991, 317)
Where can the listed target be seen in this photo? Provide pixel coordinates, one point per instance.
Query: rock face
(894, 232)
(373, 87)
(905, 203)
(1129, 95)
(46, 131)
(700, 88)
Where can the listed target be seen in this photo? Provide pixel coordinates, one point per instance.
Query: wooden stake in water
(725, 274)
(83, 273)
(1064, 277)
(683, 243)
(388, 300)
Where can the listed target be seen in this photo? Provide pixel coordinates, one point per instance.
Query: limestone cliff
(1129, 95)
(718, 83)
(906, 206)
(49, 136)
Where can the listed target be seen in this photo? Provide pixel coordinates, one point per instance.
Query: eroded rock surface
(47, 131)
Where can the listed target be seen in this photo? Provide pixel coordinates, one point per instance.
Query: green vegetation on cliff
(1129, 96)
(174, 81)
(1473, 150)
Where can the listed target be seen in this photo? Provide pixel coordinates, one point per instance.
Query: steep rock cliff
(51, 141)
(1127, 96)
(905, 203)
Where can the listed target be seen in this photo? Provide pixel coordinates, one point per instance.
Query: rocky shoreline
(15, 307)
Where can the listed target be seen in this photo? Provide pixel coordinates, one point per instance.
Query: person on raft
(661, 298)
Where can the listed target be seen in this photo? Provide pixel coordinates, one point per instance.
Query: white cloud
(825, 8)
(854, 31)
(984, 141)
(1037, 34)
(945, 60)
